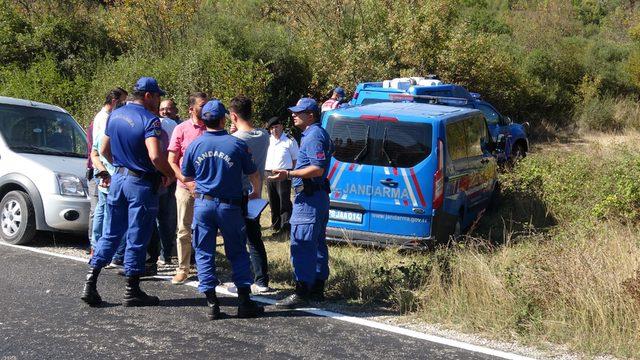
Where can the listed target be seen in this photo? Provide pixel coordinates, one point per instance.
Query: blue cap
(339, 91)
(305, 104)
(148, 84)
(213, 110)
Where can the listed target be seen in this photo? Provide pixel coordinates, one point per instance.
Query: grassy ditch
(558, 261)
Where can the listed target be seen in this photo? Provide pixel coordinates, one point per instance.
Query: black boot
(300, 298)
(90, 293)
(134, 296)
(213, 306)
(247, 308)
(317, 291)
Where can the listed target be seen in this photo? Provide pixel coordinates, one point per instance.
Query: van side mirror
(508, 120)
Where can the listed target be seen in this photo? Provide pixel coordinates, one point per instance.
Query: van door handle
(389, 182)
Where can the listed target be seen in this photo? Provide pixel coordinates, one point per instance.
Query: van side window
(476, 135)
(456, 140)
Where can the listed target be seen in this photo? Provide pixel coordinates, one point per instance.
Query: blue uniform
(217, 160)
(132, 201)
(309, 253)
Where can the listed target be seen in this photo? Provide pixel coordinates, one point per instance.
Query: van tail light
(378, 118)
(355, 95)
(438, 179)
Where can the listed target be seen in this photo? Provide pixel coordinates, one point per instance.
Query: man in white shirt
(282, 154)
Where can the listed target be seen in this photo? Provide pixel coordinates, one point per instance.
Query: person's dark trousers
(153, 249)
(167, 221)
(257, 252)
(279, 193)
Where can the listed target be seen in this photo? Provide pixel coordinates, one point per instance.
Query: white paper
(255, 207)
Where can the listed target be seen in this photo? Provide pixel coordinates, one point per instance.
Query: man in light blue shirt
(114, 99)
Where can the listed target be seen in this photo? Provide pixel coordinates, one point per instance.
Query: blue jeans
(208, 216)
(133, 207)
(101, 218)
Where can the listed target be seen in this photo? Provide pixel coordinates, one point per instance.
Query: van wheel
(456, 233)
(17, 218)
(518, 152)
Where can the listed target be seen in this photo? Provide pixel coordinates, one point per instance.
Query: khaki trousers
(184, 205)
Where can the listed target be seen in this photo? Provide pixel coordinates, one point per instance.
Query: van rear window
(396, 144)
(407, 144)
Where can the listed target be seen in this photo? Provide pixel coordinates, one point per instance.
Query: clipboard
(255, 208)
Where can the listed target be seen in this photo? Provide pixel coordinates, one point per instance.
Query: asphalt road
(42, 317)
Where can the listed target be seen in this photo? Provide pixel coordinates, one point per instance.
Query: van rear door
(402, 187)
(350, 171)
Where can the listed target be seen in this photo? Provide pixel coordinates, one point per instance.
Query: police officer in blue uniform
(132, 144)
(309, 253)
(216, 161)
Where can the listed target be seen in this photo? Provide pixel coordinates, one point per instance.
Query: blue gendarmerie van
(511, 138)
(407, 174)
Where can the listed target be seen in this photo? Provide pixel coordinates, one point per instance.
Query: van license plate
(347, 216)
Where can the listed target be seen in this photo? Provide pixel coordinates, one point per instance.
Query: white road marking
(324, 313)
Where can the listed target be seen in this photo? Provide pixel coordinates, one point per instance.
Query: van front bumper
(66, 213)
(378, 239)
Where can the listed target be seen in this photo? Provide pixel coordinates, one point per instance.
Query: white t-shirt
(99, 126)
(282, 153)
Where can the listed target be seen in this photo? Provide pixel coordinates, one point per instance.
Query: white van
(43, 156)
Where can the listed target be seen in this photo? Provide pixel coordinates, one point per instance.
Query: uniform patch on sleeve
(319, 151)
(158, 132)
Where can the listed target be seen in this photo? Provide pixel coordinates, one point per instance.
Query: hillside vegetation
(555, 63)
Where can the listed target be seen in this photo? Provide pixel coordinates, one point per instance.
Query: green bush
(206, 67)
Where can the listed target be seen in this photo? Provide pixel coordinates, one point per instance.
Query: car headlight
(70, 185)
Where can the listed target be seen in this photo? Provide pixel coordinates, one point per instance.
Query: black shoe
(317, 291)
(300, 298)
(247, 308)
(134, 296)
(90, 292)
(117, 262)
(282, 233)
(213, 306)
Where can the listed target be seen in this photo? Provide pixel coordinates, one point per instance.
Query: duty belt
(237, 202)
(127, 171)
(310, 188)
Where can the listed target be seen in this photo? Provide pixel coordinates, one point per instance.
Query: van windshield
(396, 144)
(41, 131)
